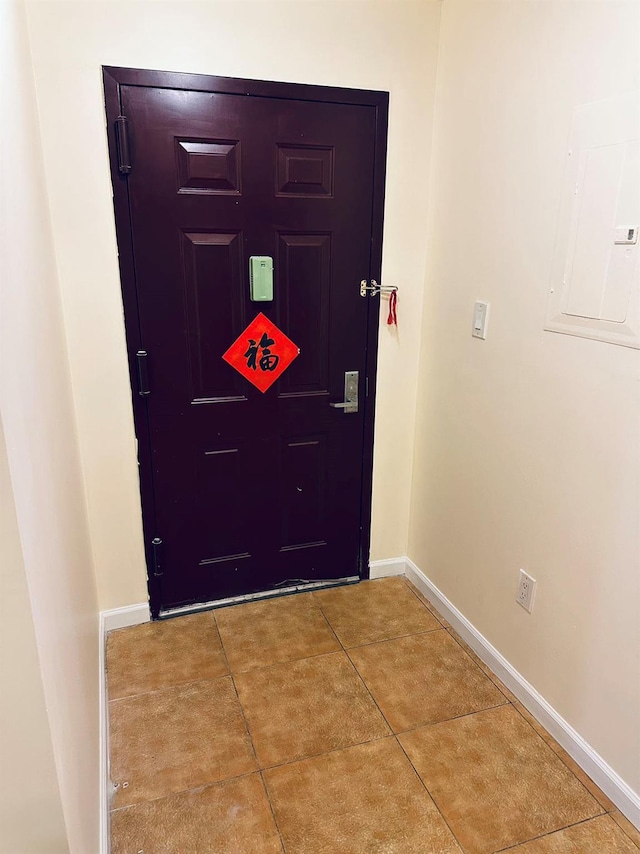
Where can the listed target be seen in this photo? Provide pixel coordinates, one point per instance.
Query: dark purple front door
(247, 491)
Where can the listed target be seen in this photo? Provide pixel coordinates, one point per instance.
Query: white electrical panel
(595, 287)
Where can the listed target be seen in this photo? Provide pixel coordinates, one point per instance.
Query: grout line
(287, 660)
(173, 684)
(327, 752)
(424, 785)
(560, 759)
(318, 605)
(167, 688)
(395, 638)
(448, 720)
(623, 829)
(246, 724)
(419, 596)
(368, 690)
(219, 636)
(258, 765)
(273, 811)
(331, 629)
(224, 649)
(548, 833)
(284, 661)
(200, 788)
(255, 756)
(346, 651)
(381, 640)
(485, 669)
(494, 679)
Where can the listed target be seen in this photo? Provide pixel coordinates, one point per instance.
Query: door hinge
(156, 545)
(143, 373)
(122, 140)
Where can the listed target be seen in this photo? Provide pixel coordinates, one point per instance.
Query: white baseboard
(627, 801)
(121, 618)
(118, 618)
(104, 742)
(384, 568)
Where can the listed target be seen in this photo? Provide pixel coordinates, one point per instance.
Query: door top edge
(240, 86)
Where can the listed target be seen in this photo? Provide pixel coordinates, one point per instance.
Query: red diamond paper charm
(262, 353)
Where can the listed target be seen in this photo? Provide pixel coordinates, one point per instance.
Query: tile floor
(352, 720)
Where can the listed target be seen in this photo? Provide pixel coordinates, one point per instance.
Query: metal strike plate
(350, 403)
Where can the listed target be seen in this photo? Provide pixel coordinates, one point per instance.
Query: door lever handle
(350, 402)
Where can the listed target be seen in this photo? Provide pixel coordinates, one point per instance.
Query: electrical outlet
(526, 591)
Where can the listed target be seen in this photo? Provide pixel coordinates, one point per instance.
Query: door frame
(113, 79)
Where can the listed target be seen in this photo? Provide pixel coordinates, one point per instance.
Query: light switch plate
(626, 235)
(480, 320)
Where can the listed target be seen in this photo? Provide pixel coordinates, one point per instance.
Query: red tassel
(392, 320)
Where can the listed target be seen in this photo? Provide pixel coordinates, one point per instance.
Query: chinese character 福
(268, 361)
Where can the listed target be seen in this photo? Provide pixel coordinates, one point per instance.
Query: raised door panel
(208, 166)
(224, 512)
(303, 479)
(304, 286)
(214, 305)
(304, 171)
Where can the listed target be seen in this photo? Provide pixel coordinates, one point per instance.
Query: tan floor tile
(426, 603)
(303, 708)
(167, 652)
(571, 764)
(605, 802)
(598, 836)
(423, 679)
(176, 739)
(228, 818)
(495, 781)
(526, 714)
(484, 667)
(623, 822)
(374, 611)
(363, 800)
(285, 629)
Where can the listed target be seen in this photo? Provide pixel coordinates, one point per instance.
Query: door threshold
(252, 597)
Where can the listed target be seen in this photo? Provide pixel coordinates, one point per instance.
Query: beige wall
(54, 558)
(28, 785)
(527, 444)
(377, 45)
